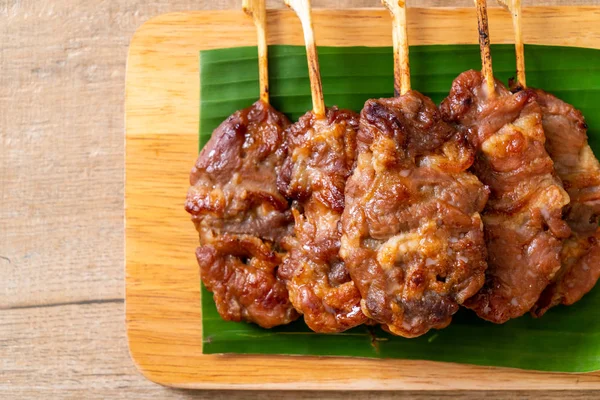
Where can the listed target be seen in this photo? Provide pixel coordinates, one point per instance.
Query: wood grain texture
(162, 290)
(62, 333)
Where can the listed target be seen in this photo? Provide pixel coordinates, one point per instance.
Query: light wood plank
(163, 316)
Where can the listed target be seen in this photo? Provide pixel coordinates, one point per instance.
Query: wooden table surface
(62, 72)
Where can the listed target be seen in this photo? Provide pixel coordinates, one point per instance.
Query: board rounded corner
(135, 358)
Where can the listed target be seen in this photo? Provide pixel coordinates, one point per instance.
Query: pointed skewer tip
(248, 6)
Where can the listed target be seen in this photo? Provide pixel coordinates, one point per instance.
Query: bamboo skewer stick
(514, 7)
(257, 10)
(302, 9)
(400, 38)
(484, 46)
(519, 46)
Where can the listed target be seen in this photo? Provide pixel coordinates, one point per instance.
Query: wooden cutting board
(163, 312)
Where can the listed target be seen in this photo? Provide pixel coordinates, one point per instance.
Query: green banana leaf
(566, 339)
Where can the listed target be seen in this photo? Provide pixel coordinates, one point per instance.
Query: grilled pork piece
(523, 224)
(413, 238)
(576, 165)
(241, 217)
(320, 157)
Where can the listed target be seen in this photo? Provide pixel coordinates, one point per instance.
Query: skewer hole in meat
(238, 211)
(413, 238)
(579, 170)
(523, 217)
(320, 154)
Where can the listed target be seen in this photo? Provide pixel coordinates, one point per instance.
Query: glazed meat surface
(320, 157)
(413, 238)
(240, 270)
(241, 217)
(523, 224)
(579, 170)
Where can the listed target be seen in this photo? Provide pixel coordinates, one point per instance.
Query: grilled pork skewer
(579, 170)
(576, 165)
(320, 154)
(238, 212)
(523, 217)
(413, 238)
